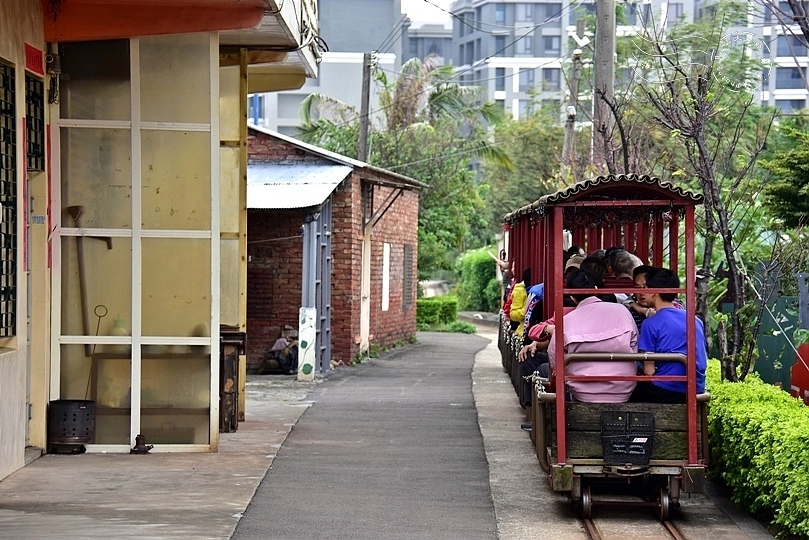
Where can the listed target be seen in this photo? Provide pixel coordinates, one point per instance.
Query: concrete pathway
(422, 443)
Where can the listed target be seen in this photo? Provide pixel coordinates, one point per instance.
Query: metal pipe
(76, 212)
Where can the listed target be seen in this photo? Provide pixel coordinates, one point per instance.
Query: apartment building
(784, 85)
(518, 50)
(427, 39)
(349, 29)
(514, 49)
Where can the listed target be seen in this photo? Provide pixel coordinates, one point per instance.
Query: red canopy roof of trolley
(637, 190)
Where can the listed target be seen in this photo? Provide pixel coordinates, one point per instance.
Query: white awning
(292, 185)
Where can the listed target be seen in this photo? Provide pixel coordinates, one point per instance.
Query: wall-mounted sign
(34, 60)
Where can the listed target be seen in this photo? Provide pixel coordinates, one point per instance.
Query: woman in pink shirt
(595, 326)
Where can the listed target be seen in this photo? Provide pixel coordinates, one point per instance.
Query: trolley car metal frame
(644, 215)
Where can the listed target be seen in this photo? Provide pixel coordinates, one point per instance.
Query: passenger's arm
(527, 350)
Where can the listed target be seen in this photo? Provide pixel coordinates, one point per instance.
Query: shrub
(436, 310)
(758, 437)
(461, 327)
(478, 288)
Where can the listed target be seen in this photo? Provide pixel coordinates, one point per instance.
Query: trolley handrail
(625, 357)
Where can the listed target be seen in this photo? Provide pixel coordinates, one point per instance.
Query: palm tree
(429, 128)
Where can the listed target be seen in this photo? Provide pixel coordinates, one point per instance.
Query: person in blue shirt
(665, 332)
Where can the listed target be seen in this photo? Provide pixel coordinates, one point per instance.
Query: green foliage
(462, 327)
(758, 437)
(800, 336)
(456, 327)
(478, 288)
(431, 129)
(436, 310)
(534, 173)
(787, 195)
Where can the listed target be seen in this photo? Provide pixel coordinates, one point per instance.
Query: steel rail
(594, 533)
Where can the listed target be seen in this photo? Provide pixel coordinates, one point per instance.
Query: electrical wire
(570, 6)
(463, 21)
(397, 29)
(472, 67)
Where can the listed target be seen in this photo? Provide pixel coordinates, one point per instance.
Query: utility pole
(367, 205)
(569, 148)
(604, 78)
(362, 145)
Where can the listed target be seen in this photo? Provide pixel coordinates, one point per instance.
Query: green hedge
(759, 438)
(478, 288)
(436, 310)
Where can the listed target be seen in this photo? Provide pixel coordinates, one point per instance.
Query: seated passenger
(519, 302)
(532, 357)
(639, 310)
(533, 310)
(595, 326)
(666, 333)
(623, 263)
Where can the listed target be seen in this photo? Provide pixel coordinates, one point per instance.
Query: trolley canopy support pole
(559, 332)
(691, 338)
(674, 244)
(657, 241)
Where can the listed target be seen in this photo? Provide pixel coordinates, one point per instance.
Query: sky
(421, 11)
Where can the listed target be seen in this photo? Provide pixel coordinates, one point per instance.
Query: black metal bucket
(71, 422)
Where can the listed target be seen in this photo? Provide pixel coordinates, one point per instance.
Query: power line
(515, 73)
(470, 68)
(463, 20)
(397, 29)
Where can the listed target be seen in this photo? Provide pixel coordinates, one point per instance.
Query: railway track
(625, 520)
(651, 530)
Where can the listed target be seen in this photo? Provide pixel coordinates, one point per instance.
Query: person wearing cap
(574, 263)
(285, 350)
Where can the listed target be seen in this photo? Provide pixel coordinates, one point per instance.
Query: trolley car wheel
(586, 503)
(664, 505)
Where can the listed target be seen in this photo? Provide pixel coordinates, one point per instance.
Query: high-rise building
(428, 39)
(517, 50)
(349, 29)
(784, 85)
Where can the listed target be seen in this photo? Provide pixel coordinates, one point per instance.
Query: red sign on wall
(34, 60)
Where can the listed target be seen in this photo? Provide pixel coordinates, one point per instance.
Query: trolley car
(660, 448)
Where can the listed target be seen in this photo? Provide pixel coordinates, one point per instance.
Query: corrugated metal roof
(386, 178)
(292, 185)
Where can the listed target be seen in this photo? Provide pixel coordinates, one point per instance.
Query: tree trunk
(735, 278)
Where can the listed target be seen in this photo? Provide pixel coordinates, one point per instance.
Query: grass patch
(458, 327)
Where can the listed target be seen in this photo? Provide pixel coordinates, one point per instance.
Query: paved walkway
(389, 450)
(422, 443)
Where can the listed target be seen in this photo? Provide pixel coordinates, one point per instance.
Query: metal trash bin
(71, 423)
(231, 345)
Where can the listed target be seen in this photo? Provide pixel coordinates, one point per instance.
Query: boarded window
(407, 286)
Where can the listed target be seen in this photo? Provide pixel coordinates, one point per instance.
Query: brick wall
(346, 282)
(399, 228)
(274, 259)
